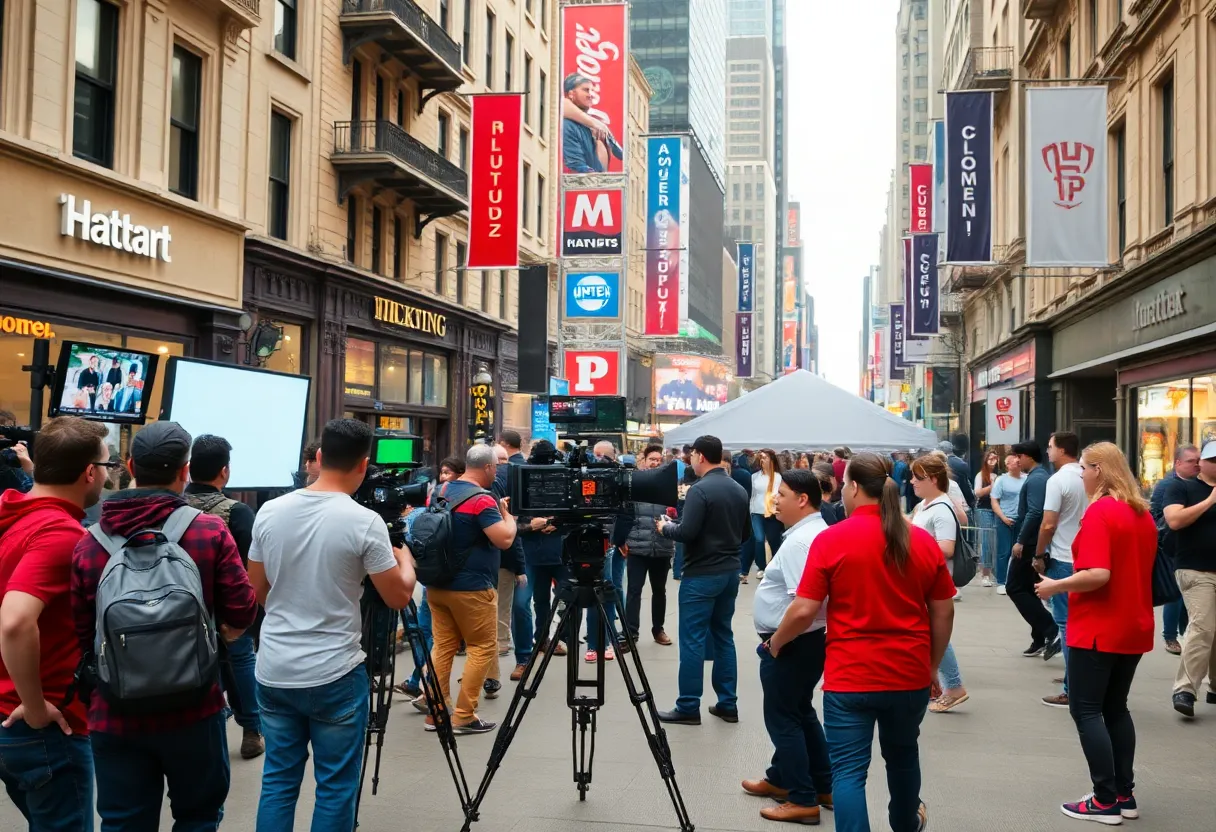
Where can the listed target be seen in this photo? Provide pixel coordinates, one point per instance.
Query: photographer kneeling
(647, 553)
(311, 550)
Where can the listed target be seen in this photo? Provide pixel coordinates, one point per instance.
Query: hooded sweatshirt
(226, 590)
(37, 536)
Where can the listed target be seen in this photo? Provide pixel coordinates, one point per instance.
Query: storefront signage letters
(411, 317)
(10, 325)
(1163, 306)
(113, 230)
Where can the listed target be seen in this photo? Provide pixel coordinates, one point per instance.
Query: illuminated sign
(411, 317)
(24, 326)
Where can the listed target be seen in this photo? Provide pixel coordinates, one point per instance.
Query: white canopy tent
(804, 412)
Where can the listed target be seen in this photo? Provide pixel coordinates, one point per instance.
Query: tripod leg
(525, 692)
(642, 697)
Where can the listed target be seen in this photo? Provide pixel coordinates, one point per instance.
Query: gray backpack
(155, 640)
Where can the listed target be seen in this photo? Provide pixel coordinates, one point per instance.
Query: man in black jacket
(959, 472)
(514, 595)
(647, 555)
(1022, 577)
(714, 525)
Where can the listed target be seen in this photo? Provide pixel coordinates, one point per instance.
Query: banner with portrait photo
(689, 385)
(594, 87)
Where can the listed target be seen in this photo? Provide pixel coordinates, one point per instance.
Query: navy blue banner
(923, 310)
(969, 177)
(747, 276)
(896, 369)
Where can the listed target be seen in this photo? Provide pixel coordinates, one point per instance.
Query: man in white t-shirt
(801, 772)
(1063, 506)
(311, 550)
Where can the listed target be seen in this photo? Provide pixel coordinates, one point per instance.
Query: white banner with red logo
(920, 180)
(1067, 216)
(595, 72)
(1004, 418)
(494, 182)
(593, 372)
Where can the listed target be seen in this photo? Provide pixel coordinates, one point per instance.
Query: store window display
(1169, 414)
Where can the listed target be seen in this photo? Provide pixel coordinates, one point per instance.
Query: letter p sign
(593, 373)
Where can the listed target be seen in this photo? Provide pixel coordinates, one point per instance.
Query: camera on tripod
(387, 489)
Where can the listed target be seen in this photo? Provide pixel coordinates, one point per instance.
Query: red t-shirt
(1118, 617)
(38, 537)
(878, 618)
(838, 468)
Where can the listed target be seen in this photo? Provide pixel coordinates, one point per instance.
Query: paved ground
(1002, 762)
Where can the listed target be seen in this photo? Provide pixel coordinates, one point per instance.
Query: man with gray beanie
(959, 472)
(135, 753)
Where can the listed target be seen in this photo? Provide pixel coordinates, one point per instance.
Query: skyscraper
(750, 18)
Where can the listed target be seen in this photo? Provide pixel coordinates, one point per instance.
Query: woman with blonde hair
(1110, 626)
(765, 526)
(938, 514)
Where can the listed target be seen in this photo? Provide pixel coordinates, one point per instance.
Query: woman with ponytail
(888, 625)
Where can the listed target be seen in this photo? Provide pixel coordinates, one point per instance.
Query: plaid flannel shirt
(226, 590)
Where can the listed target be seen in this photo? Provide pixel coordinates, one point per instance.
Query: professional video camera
(10, 435)
(387, 489)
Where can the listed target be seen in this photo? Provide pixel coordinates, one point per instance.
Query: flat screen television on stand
(103, 383)
(261, 413)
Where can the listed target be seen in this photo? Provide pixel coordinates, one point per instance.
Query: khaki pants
(506, 597)
(1199, 649)
(467, 616)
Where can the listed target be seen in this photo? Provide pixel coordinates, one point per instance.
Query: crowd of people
(859, 558)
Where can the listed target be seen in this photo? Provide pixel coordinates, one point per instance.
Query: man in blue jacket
(1021, 580)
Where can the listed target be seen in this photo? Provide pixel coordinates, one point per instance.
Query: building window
(1167, 150)
(444, 18)
(352, 228)
(502, 294)
(1093, 27)
(441, 262)
(466, 43)
(464, 148)
(380, 102)
(1121, 187)
(508, 62)
(527, 89)
(485, 292)
(461, 258)
(527, 202)
(489, 79)
(540, 207)
(544, 16)
(401, 108)
(541, 114)
(280, 175)
(734, 190)
(398, 243)
(183, 123)
(285, 28)
(445, 127)
(96, 62)
(377, 237)
(356, 93)
(1066, 54)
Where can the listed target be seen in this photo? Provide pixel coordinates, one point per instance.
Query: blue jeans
(614, 571)
(707, 605)
(849, 720)
(801, 763)
(949, 674)
(1174, 620)
(523, 630)
(420, 629)
(242, 687)
(677, 564)
(132, 771)
(753, 549)
(333, 718)
(1004, 551)
(49, 777)
(540, 579)
(1058, 570)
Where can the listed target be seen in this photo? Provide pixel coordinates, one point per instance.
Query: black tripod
(380, 645)
(586, 591)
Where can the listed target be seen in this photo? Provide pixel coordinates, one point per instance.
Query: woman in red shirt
(889, 622)
(1110, 626)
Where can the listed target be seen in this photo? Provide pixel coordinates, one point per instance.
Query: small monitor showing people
(108, 384)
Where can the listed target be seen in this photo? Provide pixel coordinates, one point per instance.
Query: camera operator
(48, 766)
(543, 552)
(311, 550)
(647, 554)
(16, 467)
(514, 600)
(614, 571)
(715, 523)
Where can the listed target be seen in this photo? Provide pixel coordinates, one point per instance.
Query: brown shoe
(518, 672)
(792, 813)
(1060, 700)
(763, 788)
(662, 638)
(1173, 647)
(252, 745)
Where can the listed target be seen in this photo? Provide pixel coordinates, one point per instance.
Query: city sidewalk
(1003, 761)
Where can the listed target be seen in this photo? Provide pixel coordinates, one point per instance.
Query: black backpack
(431, 540)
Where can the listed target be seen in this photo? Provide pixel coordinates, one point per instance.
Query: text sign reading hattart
(113, 230)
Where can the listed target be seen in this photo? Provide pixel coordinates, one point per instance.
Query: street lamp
(481, 405)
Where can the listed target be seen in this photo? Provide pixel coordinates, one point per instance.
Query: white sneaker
(1000, 590)
(988, 581)
(760, 574)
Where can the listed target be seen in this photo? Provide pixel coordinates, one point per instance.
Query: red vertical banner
(920, 181)
(494, 220)
(595, 74)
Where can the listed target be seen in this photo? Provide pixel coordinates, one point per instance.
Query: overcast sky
(841, 148)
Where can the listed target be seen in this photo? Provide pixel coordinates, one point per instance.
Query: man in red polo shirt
(45, 729)
(889, 622)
